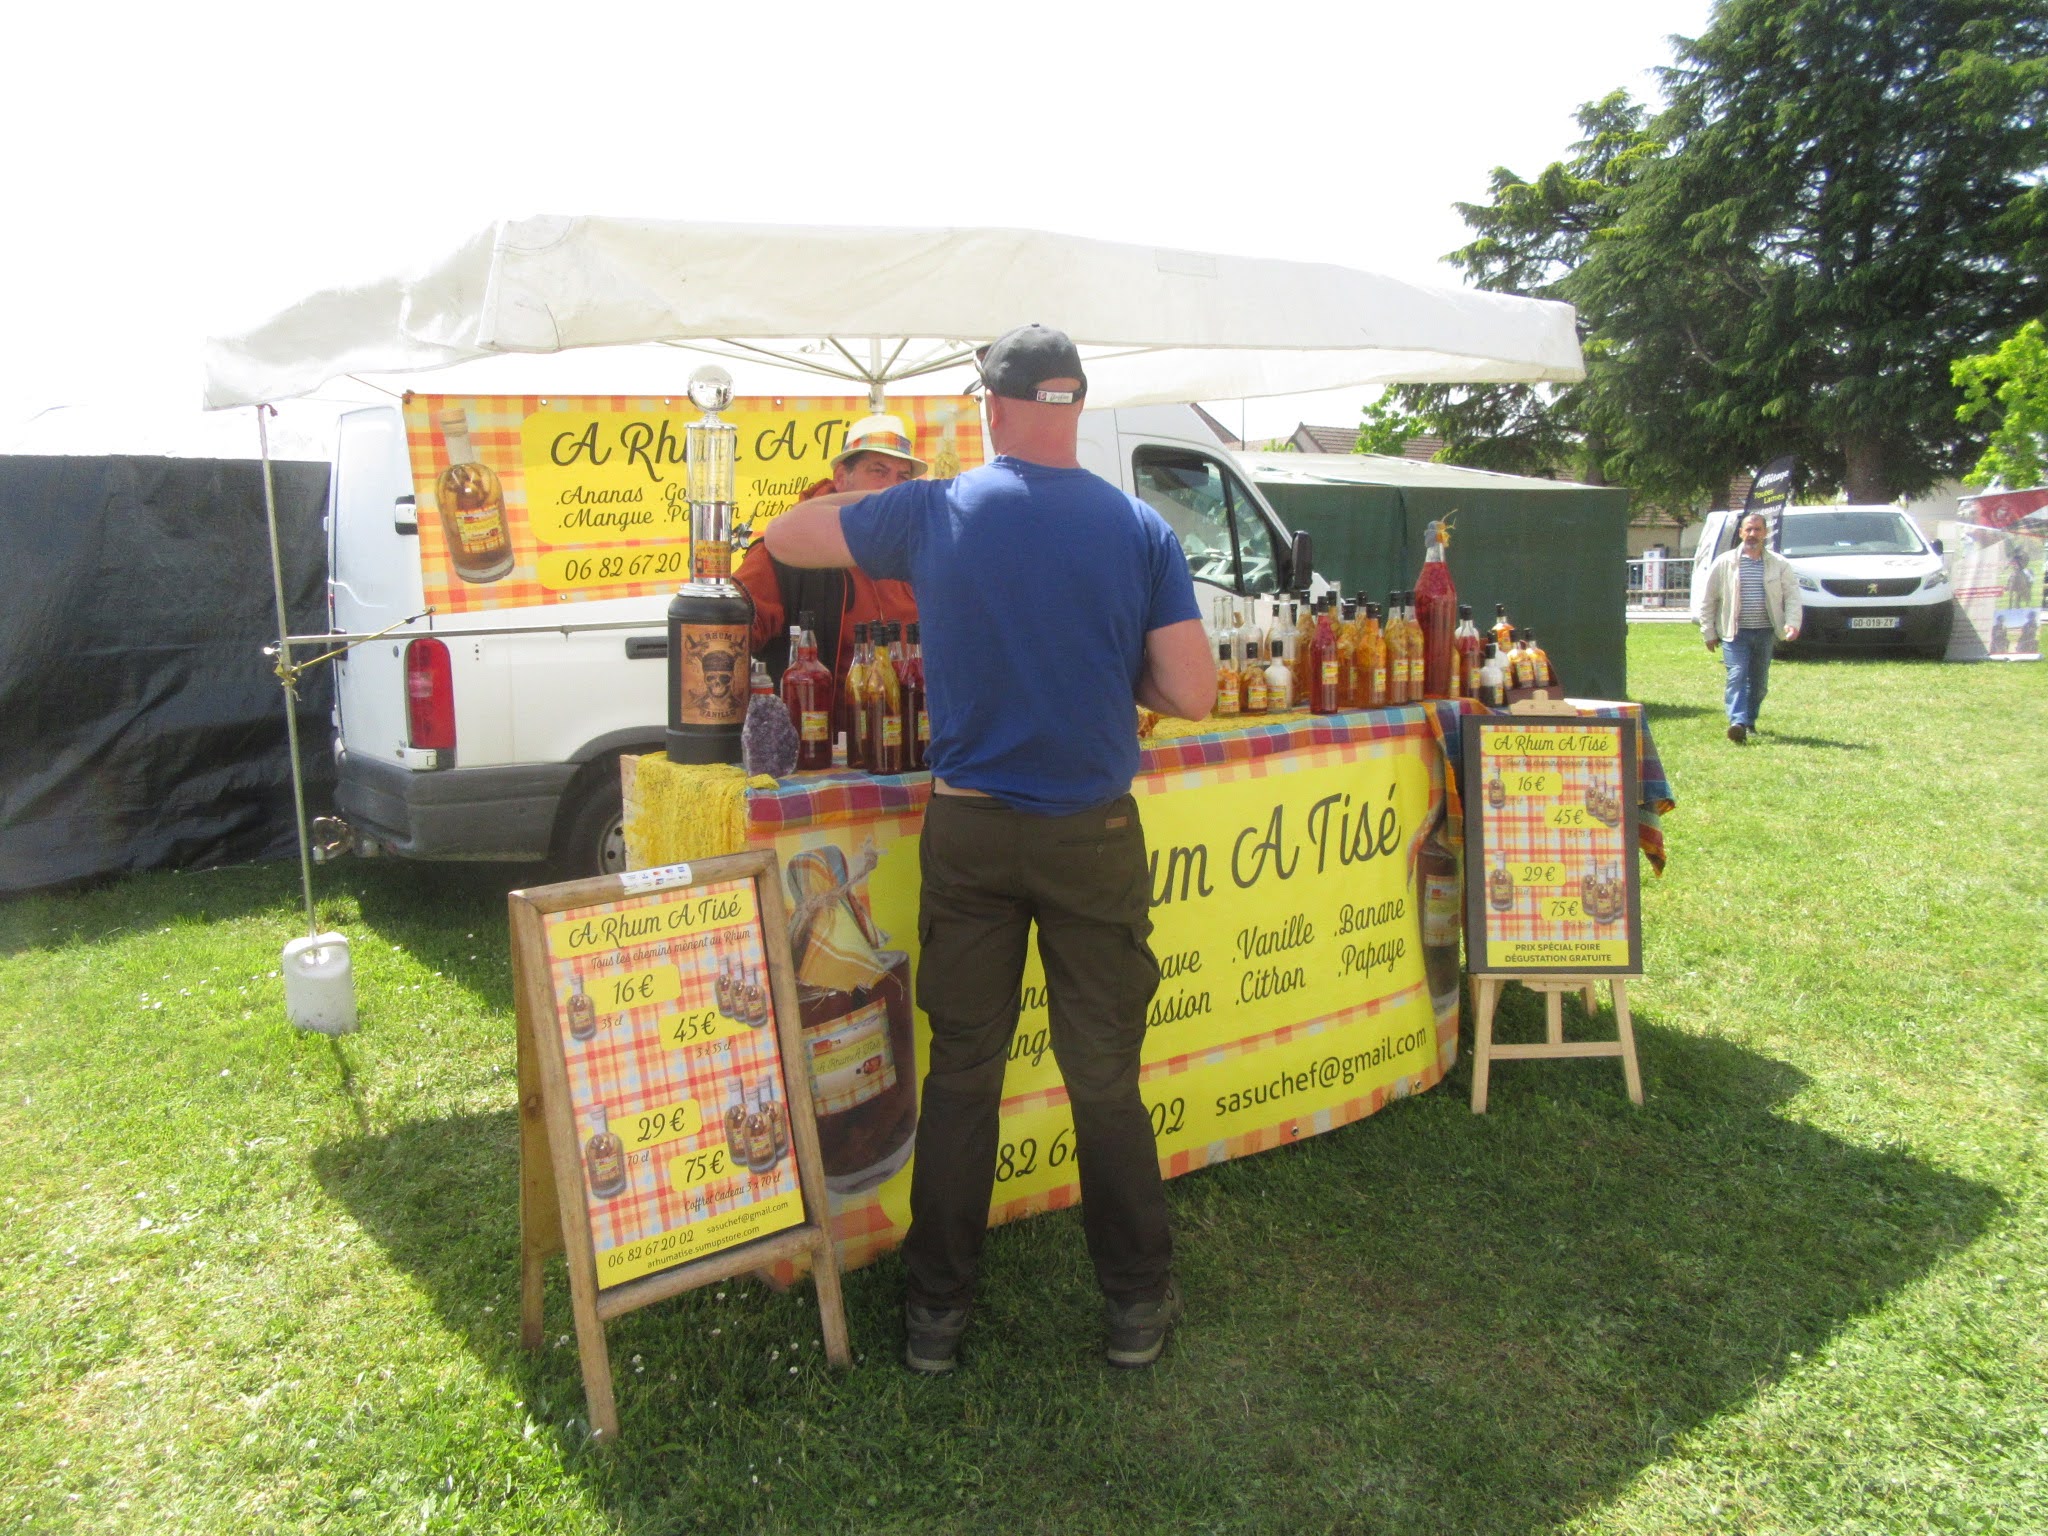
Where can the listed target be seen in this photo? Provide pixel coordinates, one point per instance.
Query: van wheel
(591, 839)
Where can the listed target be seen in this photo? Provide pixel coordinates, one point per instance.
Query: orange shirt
(864, 600)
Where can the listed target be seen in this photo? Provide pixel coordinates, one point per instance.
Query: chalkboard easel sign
(667, 1139)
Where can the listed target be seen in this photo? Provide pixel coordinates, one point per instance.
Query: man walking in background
(1053, 605)
(1750, 600)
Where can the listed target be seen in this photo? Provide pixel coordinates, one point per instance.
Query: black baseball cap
(1017, 362)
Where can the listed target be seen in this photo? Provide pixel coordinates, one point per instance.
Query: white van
(498, 734)
(1868, 580)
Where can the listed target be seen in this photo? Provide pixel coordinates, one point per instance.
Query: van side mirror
(1301, 562)
(1935, 545)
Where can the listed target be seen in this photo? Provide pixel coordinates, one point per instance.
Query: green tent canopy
(1556, 553)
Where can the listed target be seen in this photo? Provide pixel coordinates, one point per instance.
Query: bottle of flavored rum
(1539, 661)
(1279, 675)
(1521, 670)
(1493, 682)
(1303, 614)
(884, 699)
(760, 1135)
(1503, 631)
(1414, 647)
(735, 1124)
(807, 694)
(850, 704)
(1372, 660)
(1436, 615)
(917, 715)
(1500, 886)
(604, 1158)
(1397, 650)
(472, 506)
(1471, 653)
(1347, 655)
(1325, 670)
(1250, 637)
(1441, 923)
(582, 1013)
(1253, 675)
(1229, 685)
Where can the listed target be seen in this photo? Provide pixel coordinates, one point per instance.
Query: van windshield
(1849, 533)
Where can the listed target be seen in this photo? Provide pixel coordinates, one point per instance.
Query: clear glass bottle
(807, 695)
(1253, 675)
(768, 740)
(735, 1124)
(1539, 661)
(1325, 670)
(884, 700)
(1279, 675)
(1372, 660)
(1471, 654)
(582, 1013)
(851, 702)
(472, 506)
(761, 1152)
(917, 715)
(1229, 685)
(1503, 631)
(604, 1157)
(1436, 617)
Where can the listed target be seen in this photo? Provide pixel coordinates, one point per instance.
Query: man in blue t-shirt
(1053, 604)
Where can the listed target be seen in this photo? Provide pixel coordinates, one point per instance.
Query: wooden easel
(553, 1215)
(1486, 996)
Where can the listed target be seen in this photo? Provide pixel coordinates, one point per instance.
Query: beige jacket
(1720, 610)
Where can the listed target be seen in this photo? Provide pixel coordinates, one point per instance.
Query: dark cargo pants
(989, 872)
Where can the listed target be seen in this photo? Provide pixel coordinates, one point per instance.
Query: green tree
(2012, 384)
(1841, 197)
(1851, 197)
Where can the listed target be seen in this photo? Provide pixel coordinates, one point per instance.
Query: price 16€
(636, 989)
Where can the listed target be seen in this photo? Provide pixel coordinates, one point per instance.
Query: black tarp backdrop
(141, 726)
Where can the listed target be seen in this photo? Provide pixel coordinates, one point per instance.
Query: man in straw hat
(1053, 605)
(874, 456)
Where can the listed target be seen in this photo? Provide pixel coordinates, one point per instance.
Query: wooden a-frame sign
(666, 1135)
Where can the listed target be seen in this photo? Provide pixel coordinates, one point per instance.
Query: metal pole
(286, 677)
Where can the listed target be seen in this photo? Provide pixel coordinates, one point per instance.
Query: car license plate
(1875, 621)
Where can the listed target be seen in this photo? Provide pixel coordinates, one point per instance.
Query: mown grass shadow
(1426, 1321)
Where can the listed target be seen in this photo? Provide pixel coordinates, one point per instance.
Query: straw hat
(880, 434)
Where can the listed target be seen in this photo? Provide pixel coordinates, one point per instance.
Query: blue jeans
(1748, 660)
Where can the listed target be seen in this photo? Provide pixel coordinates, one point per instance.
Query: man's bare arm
(1179, 677)
(808, 535)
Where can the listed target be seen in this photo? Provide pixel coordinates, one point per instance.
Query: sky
(189, 170)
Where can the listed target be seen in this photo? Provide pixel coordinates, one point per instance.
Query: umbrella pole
(286, 673)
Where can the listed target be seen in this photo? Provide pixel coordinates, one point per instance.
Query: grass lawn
(251, 1280)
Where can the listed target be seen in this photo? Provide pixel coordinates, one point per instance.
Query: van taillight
(429, 695)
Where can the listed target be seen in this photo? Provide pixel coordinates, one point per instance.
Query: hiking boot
(1738, 734)
(1138, 1329)
(931, 1343)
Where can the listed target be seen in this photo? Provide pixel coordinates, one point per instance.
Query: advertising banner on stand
(1995, 561)
(526, 500)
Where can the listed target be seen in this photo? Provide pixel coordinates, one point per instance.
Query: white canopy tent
(559, 305)
(874, 307)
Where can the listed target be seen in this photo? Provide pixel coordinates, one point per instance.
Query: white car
(1868, 581)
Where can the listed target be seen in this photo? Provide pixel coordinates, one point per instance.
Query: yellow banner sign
(679, 917)
(525, 501)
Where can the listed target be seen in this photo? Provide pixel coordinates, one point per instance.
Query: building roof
(1379, 469)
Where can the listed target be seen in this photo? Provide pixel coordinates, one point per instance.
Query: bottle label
(1440, 909)
(850, 1058)
(1226, 696)
(814, 724)
(708, 673)
(480, 530)
(892, 730)
(711, 559)
(924, 725)
(1329, 674)
(1379, 683)
(1255, 696)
